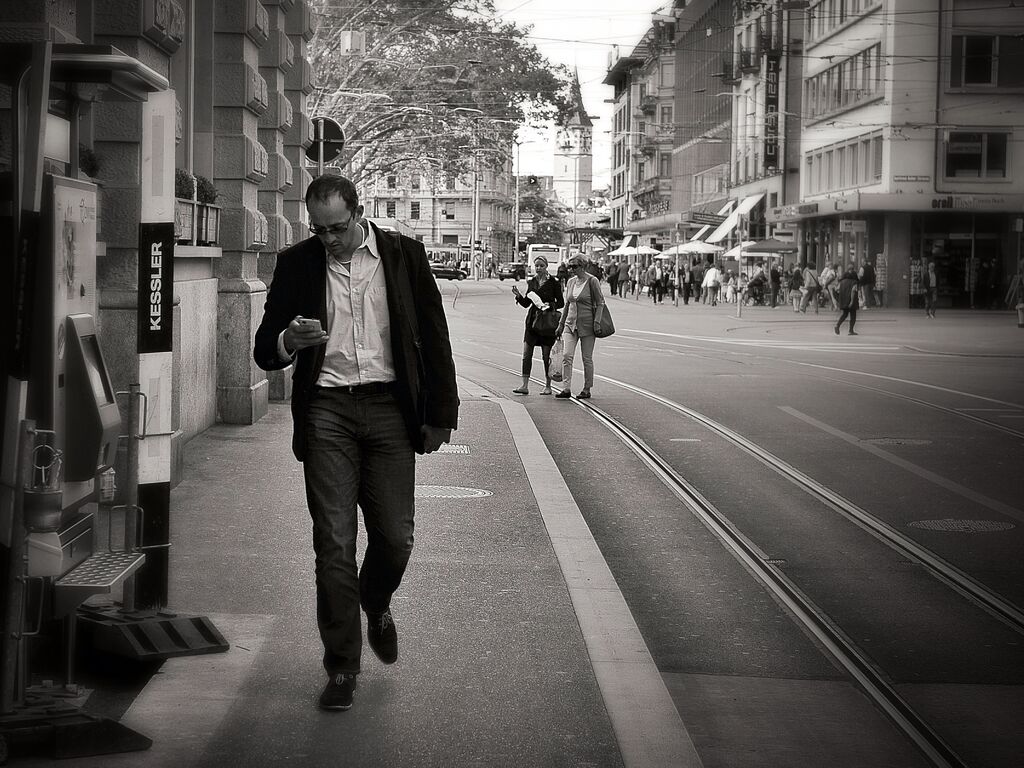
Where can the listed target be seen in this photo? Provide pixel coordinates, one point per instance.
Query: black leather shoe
(583, 395)
(382, 636)
(564, 394)
(852, 333)
(338, 693)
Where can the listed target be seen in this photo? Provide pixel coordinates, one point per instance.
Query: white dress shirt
(358, 321)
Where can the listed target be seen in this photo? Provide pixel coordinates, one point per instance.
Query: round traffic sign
(328, 134)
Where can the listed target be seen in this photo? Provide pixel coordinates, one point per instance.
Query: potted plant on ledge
(184, 207)
(208, 225)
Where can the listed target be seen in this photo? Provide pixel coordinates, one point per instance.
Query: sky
(579, 34)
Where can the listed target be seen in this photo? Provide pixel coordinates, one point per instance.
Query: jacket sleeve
(277, 313)
(522, 300)
(595, 292)
(442, 402)
(559, 297)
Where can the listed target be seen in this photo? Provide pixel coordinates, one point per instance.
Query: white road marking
(647, 726)
(960, 490)
(684, 440)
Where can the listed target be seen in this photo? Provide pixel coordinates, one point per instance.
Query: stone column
(240, 165)
(277, 59)
(298, 85)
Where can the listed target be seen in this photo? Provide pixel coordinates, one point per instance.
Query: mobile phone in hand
(310, 323)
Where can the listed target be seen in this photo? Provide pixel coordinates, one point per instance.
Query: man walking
(811, 288)
(358, 313)
(866, 283)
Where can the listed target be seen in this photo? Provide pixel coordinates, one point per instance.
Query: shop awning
(746, 206)
(723, 211)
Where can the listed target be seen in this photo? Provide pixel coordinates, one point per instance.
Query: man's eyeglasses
(575, 265)
(334, 229)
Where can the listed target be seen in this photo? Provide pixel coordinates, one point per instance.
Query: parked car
(514, 270)
(448, 273)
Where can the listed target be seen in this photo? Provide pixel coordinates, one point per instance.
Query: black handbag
(603, 325)
(545, 322)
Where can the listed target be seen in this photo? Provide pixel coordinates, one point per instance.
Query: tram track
(843, 651)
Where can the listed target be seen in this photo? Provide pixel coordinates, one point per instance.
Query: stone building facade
(240, 76)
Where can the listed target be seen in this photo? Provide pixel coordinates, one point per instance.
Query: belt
(373, 388)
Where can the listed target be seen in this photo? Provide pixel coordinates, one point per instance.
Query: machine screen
(97, 374)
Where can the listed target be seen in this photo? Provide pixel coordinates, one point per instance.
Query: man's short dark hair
(323, 188)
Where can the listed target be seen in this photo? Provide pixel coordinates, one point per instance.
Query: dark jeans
(852, 312)
(545, 351)
(358, 452)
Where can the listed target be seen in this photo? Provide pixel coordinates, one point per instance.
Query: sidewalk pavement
(516, 646)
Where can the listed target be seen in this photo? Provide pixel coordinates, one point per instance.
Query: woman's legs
(587, 351)
(545, 351)
(853, 317)
(569, 352)
(527, 369)
(842, 318)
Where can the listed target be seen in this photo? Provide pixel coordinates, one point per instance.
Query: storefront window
(976, 155)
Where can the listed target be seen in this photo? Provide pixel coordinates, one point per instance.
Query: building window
(414, 210)
(666, 114)
(665, 165)
(449, 183)
(845, 84)
(391, 209)
(976, 155)
(986, 60)
(449, 213)
(449, 239)
(419, 238)
(416, 181)
(392, 182)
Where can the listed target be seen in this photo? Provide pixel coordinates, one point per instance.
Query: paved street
(567, 605)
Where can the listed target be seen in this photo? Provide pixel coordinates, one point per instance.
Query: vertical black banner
(156, 286)
(773, 67)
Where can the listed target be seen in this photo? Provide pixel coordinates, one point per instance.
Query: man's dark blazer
(425, 386)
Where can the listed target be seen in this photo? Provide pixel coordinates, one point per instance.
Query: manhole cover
(962, 526)
(452, 448)
(896, 441)
(449, 492)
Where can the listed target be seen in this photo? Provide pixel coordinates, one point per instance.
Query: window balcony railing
(196, 223)
(749, 60)
(648, 104)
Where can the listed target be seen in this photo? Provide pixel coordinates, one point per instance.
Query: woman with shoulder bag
(583, 299)
(540, 323)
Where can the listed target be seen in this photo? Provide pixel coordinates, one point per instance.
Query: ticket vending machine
(61, 418)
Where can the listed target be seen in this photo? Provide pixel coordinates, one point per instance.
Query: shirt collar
(370, 241)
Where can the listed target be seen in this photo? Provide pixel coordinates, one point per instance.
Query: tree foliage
(437, 78)
(549, 219)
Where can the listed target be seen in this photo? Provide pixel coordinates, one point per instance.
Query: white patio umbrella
(734, 252)
(693, 246)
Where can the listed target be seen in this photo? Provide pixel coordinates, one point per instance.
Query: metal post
(320, 147)
(473, 269)
(10, 684)
(515, 244)
(739, 267)
(131, 492)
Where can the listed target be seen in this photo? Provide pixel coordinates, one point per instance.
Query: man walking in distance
(358, 313)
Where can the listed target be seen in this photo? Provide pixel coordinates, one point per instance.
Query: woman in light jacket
(582, 298)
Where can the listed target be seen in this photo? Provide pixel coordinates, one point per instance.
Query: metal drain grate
(453, 448)
(896, 441)
(449, 492)
(962, 526)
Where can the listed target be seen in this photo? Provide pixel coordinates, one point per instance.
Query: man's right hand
(303, 332)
